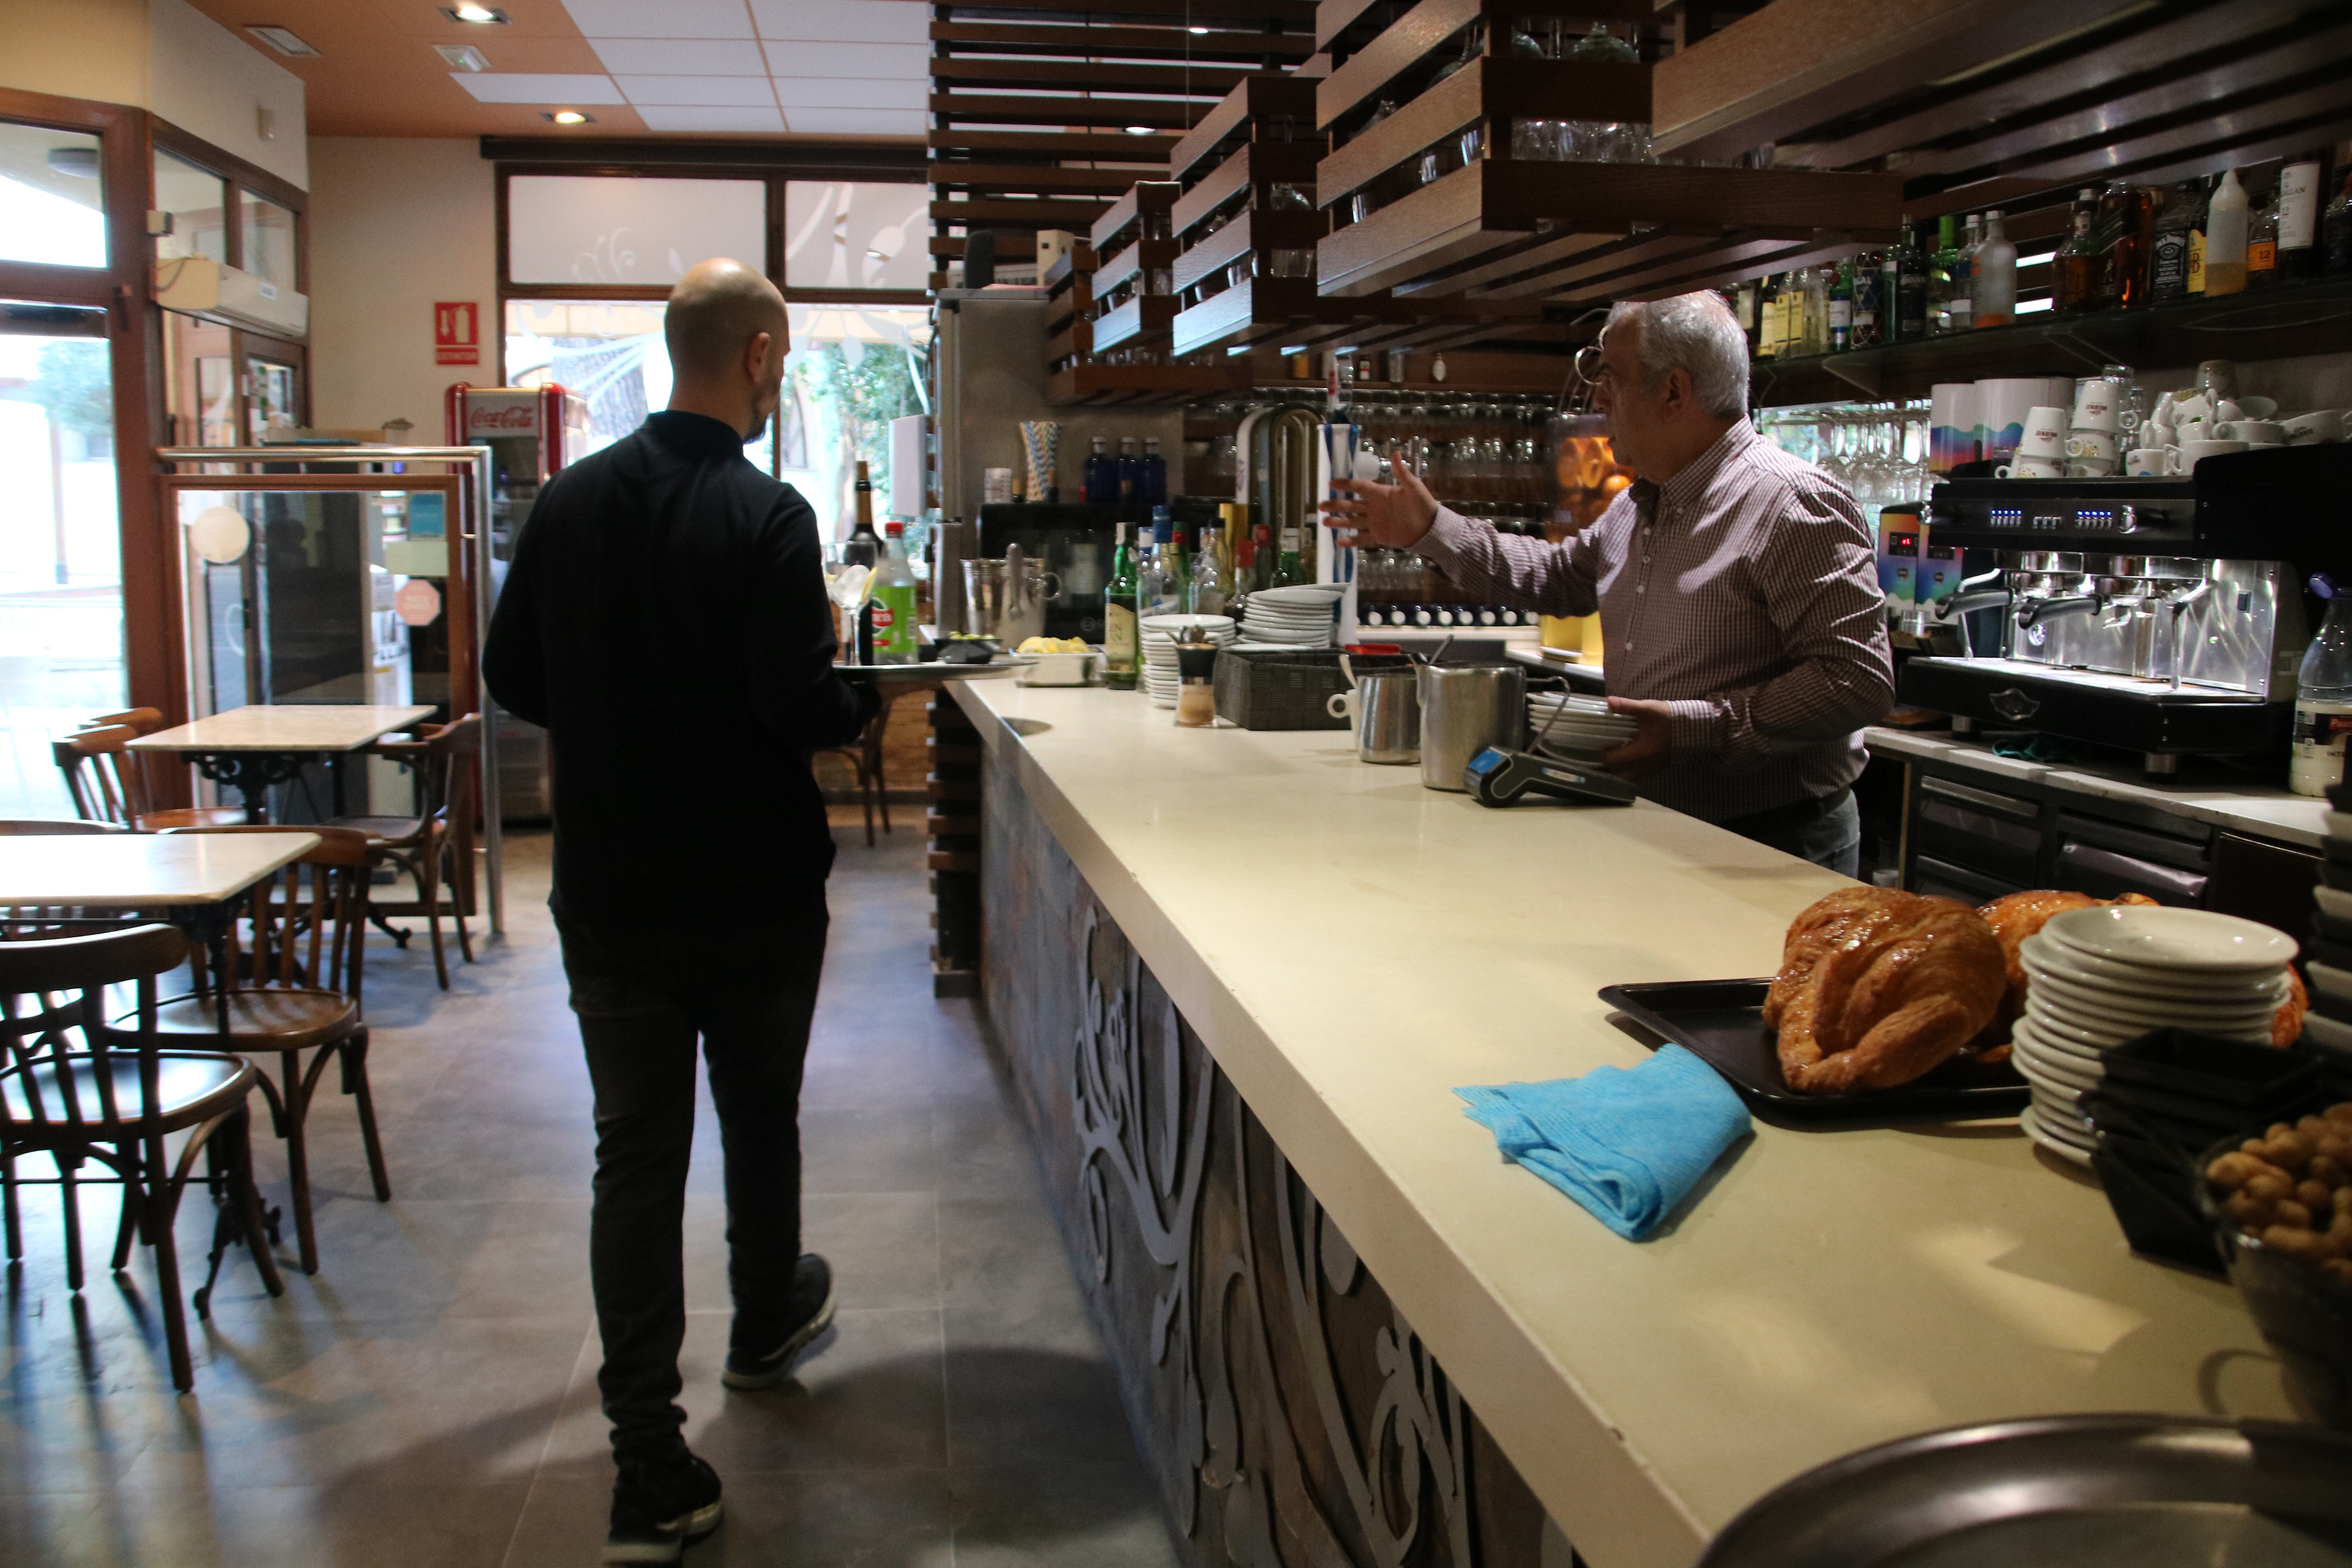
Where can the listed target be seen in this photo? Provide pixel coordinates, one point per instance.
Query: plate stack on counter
(2328, 1027)
(1290, 617)
(1160, 634)
(1570, 724)
(2097, 978)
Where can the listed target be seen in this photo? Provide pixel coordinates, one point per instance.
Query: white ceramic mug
(2161, 433)
(2254, 432)
(2044, 434)
(2031, 469)
(2258, 407)
(2319, 425)
(2095, 406)
(2095, 446)
(2192, 406)
(2227, 411)
(2146, 462)
(2189, 454)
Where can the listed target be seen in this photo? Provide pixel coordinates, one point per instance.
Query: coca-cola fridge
(532, 431)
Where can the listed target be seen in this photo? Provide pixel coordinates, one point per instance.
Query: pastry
(2014, 918)
(1877, 987)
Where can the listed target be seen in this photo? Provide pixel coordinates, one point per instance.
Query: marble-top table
(252, 747)
(140, 870)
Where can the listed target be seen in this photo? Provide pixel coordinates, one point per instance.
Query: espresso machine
(2165, 617)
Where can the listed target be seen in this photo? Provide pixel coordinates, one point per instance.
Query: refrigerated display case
(532, 432)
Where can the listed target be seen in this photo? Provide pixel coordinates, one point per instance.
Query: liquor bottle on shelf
(1743, 310)
(1870, 300)
(1128, 472)
(2198, 229)
(1840, 290)
(1154, 473)
(1909, 300)
(1939, 277)
(1289, 561)
(2261, 246)
(1100, 479)
(2072, 271)
(2336, 232)
(2168, 259)
(2119, 236)
(1994, 275)
(1767, 317)
(1207, 587)
(1121, 650)
(1961, 308)
(2323, 703)
(2225, 238)
(2298, 219)
(1817, 310)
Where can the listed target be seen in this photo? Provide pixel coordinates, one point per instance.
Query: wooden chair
(434, 848)
(109, 783)
(864, 757)
(77, 1090)
(294, 977)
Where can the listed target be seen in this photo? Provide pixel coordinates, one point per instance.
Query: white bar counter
(1351, 946)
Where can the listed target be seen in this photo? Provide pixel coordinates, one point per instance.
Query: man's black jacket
(665, 619)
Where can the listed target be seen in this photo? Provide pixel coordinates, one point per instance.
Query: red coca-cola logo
(519, 417)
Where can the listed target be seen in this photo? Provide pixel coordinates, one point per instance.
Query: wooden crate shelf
(2026, 93)
(1142, 320)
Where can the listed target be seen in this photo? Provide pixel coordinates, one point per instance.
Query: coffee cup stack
(2041, 447)
(2095, 437)
(2188, 428)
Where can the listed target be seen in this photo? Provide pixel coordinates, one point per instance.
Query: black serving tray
(1722, 1022)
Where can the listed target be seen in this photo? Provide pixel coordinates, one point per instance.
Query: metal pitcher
(1465, 709)
(1386, 706)
(1007, 599)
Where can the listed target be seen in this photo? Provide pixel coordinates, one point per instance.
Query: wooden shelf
(2291, 318)
(1396, 61)
(1144, 198)
(1497, 228)
(1492, 91)
(1142, 320)
(2023, 93)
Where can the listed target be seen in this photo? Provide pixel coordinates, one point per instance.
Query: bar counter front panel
(1235, 977)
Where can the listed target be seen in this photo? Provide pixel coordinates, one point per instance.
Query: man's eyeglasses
(1589, 367)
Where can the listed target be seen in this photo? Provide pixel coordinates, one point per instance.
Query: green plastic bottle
(899, 639)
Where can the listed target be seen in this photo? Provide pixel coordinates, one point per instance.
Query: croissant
(2017, 915)
(1877, 987)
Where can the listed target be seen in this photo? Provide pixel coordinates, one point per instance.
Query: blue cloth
(1628, 1145)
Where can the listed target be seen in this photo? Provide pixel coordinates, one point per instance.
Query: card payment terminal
(1498, 777)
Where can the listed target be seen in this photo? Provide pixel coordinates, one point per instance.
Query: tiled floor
(429, 1396)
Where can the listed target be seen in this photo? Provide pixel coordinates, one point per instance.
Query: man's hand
(1390, 517)
(1652, 738)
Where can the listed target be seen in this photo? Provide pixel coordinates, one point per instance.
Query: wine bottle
(1121, 652)
(2071, 269)
(1840, 291)
(864, 547)
(2298, 219)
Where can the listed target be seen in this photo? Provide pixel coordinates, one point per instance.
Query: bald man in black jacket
(665, 620)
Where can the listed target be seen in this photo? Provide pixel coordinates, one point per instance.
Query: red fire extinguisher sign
(457, 332)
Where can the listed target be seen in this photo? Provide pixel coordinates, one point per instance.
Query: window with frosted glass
(564, 229)
(269, 233)
(52, 196)
(843, 234)
(197, 202)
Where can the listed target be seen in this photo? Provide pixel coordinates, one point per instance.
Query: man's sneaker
(763, 1358)
(659, 1508)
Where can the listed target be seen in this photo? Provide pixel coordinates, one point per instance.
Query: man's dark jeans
(643, 996)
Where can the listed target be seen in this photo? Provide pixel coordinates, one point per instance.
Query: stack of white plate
(1160, 677)
(2097, 978)
(1292, 617)
(1578, 725)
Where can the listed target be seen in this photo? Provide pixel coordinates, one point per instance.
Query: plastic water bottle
(896, 639)
(2322, 698)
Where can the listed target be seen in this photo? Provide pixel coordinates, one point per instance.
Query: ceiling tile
(676, 117)
(711, 91)
(680, 57)
(853, 122)
(848, 93)
(665, 19)
(846, 21)
(899, 62)
(525, 87)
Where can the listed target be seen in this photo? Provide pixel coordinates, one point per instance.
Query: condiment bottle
(2225, 238)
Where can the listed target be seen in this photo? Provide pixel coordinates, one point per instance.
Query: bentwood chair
(434, 848)
(109, 783)
(864, 756)
(77, 1090)
(294, 974)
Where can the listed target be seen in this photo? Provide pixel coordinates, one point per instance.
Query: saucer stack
(2097, 978)
(1291, 617)
(1160, 679)
(1580, 726)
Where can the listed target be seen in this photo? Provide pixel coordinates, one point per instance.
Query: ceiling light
(283, 40)
(568, 117)
(462, 56)
(484, 15)
(1139, 131)
(1196, 29)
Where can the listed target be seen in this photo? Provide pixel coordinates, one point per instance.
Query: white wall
(211, 84)
(396, 226)
(163, 56)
